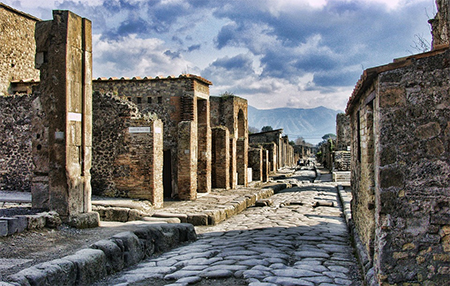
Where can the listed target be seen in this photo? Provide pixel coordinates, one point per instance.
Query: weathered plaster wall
(18, 47)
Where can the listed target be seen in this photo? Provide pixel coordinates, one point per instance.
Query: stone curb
(20, 223)
(225, 211)
(366, 265)
(105, 256)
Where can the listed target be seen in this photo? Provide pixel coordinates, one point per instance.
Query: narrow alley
(296, 237)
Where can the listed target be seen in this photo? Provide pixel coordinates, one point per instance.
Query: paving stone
(312, 254)
(278, 266)
(254, 274)
(319, 279)
(296, 273)
(315, 268)
(285, 281)
(180, 274)
(190, 280)
(227, 267)
(333, 274)
(257, 283)
(216, 274)
(344, 282)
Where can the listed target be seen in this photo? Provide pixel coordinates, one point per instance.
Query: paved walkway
(300, 239)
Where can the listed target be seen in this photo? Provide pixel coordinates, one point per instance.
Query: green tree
(329, 136)
(266, 128)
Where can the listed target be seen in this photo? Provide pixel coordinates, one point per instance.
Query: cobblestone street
(300, 239)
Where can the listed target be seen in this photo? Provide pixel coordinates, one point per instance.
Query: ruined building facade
(401, 168)
(182, 103)
(229, 118)
(281, 153)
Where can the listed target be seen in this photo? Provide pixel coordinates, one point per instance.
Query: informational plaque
(139, 129)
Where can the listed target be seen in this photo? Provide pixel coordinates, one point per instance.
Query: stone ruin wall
(162, 97)
(18, 47)
(231, 112)
(362, 177)
(126, 164)
(16, 162)
(400, 171)
(440, 24)
(343, 132)
(414, 201)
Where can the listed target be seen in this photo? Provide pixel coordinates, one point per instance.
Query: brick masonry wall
(16, 163)
(220, 158)
(18, 47)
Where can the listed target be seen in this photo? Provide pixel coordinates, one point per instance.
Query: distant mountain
(311, 124)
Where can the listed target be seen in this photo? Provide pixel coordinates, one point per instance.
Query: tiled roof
(159, 77)
(370, 74)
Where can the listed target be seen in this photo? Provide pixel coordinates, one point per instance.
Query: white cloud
(131, 56)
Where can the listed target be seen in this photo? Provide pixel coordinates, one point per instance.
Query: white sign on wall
(139, 129)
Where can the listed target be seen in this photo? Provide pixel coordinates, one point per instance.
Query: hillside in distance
(311, 124)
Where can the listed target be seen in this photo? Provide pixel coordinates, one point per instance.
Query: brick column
(221, 158)
(187, 160)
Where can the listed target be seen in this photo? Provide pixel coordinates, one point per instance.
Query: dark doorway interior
(167, 174)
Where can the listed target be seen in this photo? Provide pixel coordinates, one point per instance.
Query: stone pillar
(62, 140)
(221, 158)
(187, 160)
(265, 165)
(242, 161)
(255, 161)
(233, 181)
(204, 146)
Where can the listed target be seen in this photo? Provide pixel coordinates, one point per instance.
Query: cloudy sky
(275, 53)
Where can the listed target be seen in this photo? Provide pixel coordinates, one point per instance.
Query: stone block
(90, 265)
(131, 246)
(16, 224)
(84, 220)
(36, 221)
(197, 219)
(52, 219)
(3, 227)
(182, 217)
(114, 255)
(57, 272)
